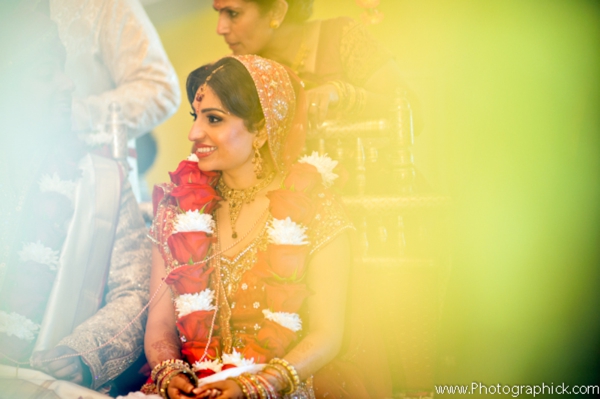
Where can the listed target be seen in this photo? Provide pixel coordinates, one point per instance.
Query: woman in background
(346, 72)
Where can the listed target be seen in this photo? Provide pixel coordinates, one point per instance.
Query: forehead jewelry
(202, 90)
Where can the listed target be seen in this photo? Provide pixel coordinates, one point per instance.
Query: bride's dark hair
(234, 87)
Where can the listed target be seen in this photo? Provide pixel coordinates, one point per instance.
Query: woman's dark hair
(234, 87)
(298, 10)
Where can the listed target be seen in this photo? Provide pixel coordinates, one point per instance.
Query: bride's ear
(262, 137)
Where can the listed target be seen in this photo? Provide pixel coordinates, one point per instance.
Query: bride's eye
(194, 115)
(213, 119)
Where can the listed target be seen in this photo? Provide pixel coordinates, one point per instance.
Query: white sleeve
(146, 85)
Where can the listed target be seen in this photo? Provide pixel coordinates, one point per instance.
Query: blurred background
(510, 97)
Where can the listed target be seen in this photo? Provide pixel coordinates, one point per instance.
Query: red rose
(192, 245)
(276, 338)
(188, 172)
(303, 177)
(194, 350)
(204, 373)
(253, 350)
(195, 326)
(287, 261)
(294, 204)
(189, 279)
(286, 297)
(192, 197)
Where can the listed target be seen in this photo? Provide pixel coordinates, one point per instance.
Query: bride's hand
(225, 389)
(180, 387)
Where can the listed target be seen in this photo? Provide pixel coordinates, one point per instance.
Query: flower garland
(279, 269)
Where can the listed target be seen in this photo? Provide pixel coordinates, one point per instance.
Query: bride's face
(221, 139)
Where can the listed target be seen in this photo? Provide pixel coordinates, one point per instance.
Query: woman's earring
(274, 24)
(257, 160)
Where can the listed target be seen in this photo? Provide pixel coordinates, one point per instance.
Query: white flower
(236, 359)
(18, 325)
(291, 321)
(324, 165)
(39, 253)
(193, 157)
(194, 221)
(53, 183)
(286, 232)
(213, 365)
(188, 303)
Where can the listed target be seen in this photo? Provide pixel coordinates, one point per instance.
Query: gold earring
(257, 160)
(274, 24)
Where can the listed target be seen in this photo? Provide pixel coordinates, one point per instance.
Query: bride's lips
(202, 151)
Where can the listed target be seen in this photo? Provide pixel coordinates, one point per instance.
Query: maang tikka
(202, 89)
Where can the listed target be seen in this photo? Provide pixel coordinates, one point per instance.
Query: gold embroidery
(232, 270)
(329, 222)
(361, 54)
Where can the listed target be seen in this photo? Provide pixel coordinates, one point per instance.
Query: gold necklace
(236, 198)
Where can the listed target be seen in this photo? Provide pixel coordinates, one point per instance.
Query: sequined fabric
(127, 293)
(277, 100)
(232, 269)
(330, 220)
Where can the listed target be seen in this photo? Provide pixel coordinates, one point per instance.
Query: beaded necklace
(238, 197)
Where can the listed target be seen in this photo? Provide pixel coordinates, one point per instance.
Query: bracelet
(282, 373)
(351, 99)
(361, 101)
(283, 380)
(166, 363)
(165, 371)
(241, 385)
(252, 391)
(271, 393)
(293, 374)
(262, 391)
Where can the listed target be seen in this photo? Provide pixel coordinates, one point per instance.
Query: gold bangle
(291, 370)
(241, 385)
(289, 386)
(361, 101)
(262, 392)
(168, 371)
(282, 379)
(165, 363)
(342, 94)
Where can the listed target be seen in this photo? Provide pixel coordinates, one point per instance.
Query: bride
(251, 256)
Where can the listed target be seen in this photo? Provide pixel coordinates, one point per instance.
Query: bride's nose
(197, 131)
